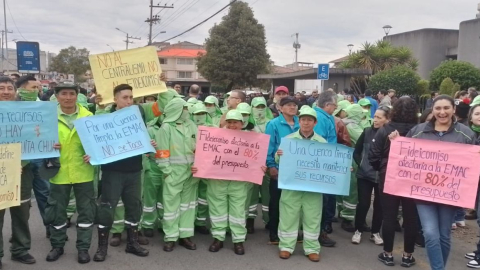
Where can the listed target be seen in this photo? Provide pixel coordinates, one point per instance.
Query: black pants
(365, 188)
(390, 204)
(274, 206)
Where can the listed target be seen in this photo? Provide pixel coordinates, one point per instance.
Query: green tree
(71, 61)
(401, 78)
(423, 87)
(446, 87)
(463, 73)
(236, 50)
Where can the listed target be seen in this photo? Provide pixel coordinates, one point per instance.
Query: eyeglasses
(233, 97)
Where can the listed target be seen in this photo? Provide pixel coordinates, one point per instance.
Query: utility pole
(6, 37)
(154, 19)
(296, 46)
(128, 37)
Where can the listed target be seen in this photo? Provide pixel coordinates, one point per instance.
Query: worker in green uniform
(296, 204)
(227, 200)
(260, 116)
(366, 121)
(75, 174)
(21, 238)
(201, 117)
(175, 154)
(211, 103)
(347, 205)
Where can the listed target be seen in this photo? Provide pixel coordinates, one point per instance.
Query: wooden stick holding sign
(10, 175)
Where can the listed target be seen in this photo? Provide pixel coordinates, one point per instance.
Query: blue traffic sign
(28, 57)
(323, 72)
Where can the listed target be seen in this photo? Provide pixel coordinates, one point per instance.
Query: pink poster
(230, 154)
(435, 171)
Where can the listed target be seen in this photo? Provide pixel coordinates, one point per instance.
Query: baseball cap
(281, 89)
(234, 115)
(287, 100)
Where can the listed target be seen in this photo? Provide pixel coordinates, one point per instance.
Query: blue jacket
(325, 126)
(278, 128)
(374, 107)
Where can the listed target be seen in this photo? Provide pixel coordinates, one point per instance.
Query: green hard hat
(234, 115)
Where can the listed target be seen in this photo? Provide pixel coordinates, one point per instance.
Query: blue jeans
(437, 222)
(460, 214)
(329, 208)
(41, 188)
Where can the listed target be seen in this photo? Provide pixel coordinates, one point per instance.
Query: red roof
(180, 52)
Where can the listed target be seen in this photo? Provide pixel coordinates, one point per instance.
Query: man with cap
(260, 116)
(373, 102)
(211, 104)
(75, 173)
(325, 127)
(391, 95)
(21, 238)
(301, 205)
(175, 156)
(227, 200)
(235, 97)
(280, 92)
(286, 123)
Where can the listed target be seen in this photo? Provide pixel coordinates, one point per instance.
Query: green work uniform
(347, 205)
(21, 238)
(152, 186)
(296, 204)
(175, 154)
(76, 175)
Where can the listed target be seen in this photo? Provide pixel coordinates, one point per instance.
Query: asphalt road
(259, 255)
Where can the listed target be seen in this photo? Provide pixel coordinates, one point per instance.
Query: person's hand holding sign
(153, 143)
(57, 146)
(194, 170)
(98, 100)
(393, 135)
(86, 158)
(280, 152)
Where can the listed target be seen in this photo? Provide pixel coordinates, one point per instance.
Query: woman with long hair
(436, 218)
(403, 117)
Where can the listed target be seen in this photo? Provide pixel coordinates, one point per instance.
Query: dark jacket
(360, 155)
(457, 133)
(380, 148)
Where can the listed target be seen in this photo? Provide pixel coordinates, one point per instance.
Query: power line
(13, 19)
(180, 14)
(202, 22)
(180, 9)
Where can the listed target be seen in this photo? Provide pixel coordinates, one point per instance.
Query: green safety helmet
(234, 115)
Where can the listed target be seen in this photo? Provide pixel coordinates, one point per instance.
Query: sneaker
(357, 238)
(475, 263)
(377, 239)
(471, 255)
(386, 259)
(408, 261)
(460, 224)
(454, 226)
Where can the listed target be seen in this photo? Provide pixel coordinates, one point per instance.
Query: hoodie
(355, 113)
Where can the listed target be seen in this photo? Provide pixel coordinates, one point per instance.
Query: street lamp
(350, 47)
(121, 30)
(111, 47)
(387, 29)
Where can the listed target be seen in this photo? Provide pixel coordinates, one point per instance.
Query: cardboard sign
(10, 175)
(32, 124)
(433, 171)
(110, 137)
(315, 167)
(139, 68)
(230, 154)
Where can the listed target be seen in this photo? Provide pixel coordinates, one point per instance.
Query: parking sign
(323, 72)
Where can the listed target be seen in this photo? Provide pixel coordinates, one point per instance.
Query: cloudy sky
(325, 27)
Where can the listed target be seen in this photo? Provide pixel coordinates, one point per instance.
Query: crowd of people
(157, 191)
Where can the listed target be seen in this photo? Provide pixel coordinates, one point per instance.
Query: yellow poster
(10, 174)
(139, 68)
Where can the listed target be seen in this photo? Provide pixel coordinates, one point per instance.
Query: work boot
(325, 241)
(347, 225)
(142, 240)
(83, 256)
(25, 259)
(216, 246)
(274, 240)
(148, 233)
(116, 240)
(132, 243)
(238, 248)
(187, 243)
(169, 246)
(314, 257)
(101, 253)
(284, 255)
(54, 254)
(250, 226)
(328, 228)
(202, 230)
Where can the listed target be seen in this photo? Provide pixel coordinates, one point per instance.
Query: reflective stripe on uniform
(240, 237)
(310, 236)
(311, 251)
(159, 205)
(182, 160)
(219, 218)
(201, 218)
(349, 205)
(148, 209)
(185, 229)
(222, 233)
(240, 221)
(131, 223)
(118, 221)
(288, 234)
(27, 200)
(83, 225)
(59, 227)
(202, 201)
(289, 250)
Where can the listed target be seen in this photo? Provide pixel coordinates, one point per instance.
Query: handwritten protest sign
(32, 124)
(139, 68)
(433, 171)
(316, 167)
(10, 173)
(115, 136)
(230, 155)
